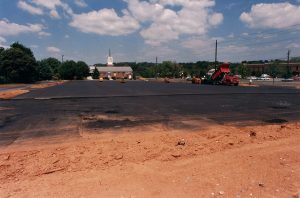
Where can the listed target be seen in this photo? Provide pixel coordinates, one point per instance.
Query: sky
(141, 30)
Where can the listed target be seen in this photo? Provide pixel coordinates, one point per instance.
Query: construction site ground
(149, 139)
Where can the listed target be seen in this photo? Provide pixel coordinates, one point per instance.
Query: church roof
(115, 69)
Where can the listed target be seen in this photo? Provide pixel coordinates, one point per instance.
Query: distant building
(261, 68)
(114, 72)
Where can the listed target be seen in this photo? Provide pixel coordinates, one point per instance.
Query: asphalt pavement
(96, 89)
(59, 110)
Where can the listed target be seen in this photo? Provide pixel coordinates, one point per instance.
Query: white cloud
(48, 4)
(143, 10)
(273, 15)
(54, 14)
(29, 8)
(105, 22)
(13, 29)
(194, 17)
(81, 3)
(216, 19)
(161, 22)
(2, 42)
(37, 7)
(231, 35)
(153, 38)
(293, 46)
(34, 46)
(44, 34)
(53, 50)
(67, 36)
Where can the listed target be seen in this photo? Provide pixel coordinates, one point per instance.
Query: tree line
(18, 65)
(200, 69)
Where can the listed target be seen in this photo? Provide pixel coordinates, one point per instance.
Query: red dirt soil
(218, 161)
(46, 84)
(12, 93)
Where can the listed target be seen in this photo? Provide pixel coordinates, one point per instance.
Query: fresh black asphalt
(92, 89)
(59, 110)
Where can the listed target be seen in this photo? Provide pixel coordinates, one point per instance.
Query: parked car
(288, 80)
(296, 78)
(252, 78)
(189, 78)
(264, 77)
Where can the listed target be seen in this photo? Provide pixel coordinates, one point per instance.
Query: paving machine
(221, 76)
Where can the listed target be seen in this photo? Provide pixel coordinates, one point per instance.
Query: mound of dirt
(153, 161)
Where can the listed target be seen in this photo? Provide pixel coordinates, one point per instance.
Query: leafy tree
(44, 71)
(18, 64)
(274, 70)
(295, 59)
(54, 65)
(82, 70)
(243, 71)
(71, 70)
(96, 73)
(67, 70)
(287, 73)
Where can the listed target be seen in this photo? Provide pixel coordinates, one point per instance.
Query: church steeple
(110, 60)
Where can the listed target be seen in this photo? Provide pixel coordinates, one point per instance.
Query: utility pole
(156, 69)
(288, 62)
(288, 57)
(62, 58)
(216, 54)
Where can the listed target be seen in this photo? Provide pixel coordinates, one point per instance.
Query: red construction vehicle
(222, 76)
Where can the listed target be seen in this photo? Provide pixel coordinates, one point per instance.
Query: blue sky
(135, 30)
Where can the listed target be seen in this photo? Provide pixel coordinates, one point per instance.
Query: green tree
(67, 70)
(274, 70)
(44, 71)
(82, 70)
(70, 70)
(96, 73)
(243, 71)
(54, 64)
(18, 64)
(287, 73)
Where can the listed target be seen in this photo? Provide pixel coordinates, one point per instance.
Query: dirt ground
(153, 161)
(46, 84)
(8, 94)
(12, 93)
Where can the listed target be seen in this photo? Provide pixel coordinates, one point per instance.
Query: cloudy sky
(140, 30)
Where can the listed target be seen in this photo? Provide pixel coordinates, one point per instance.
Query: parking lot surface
(59, 110)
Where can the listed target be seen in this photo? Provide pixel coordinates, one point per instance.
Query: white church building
(113, 72)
